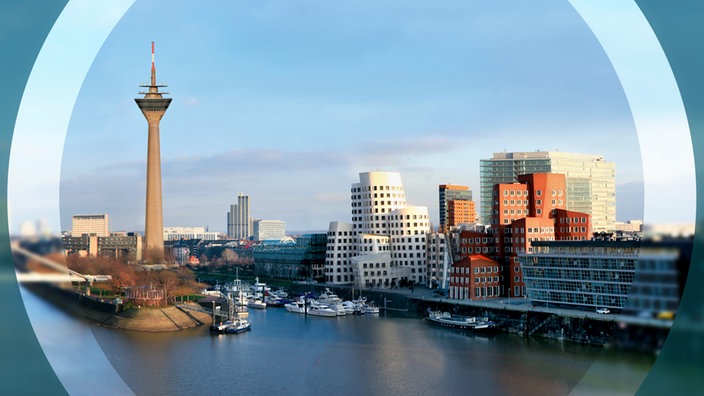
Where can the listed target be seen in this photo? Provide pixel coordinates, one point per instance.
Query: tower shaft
(153, 106)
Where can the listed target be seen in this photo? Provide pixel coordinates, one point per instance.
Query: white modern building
(385, 234)
(178, 233)
(93, 224)
(408, 228)
(590, 181)
(264, 230)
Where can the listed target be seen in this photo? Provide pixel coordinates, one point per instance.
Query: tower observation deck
(153, 106)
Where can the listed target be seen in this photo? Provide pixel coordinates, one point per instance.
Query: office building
(455, 205)
(264, 230)
(385, 231)
(239, 223)
(590, 181)
(178, 233)
(94, 224)
(641, 278)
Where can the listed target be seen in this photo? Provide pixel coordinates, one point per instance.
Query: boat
(239, 325)
(446, 319)
(318, 309)
(328, 297)
(370, 309)
(298, 306)
(259, 287)
(339, 309)
(256, 303)
(236, 321)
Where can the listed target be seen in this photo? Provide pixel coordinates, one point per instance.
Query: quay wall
(524, 320)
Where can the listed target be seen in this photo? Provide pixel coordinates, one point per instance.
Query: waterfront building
(455, 205)
(642, 278)
(590, 181)
(340, 248)
(438, 260)
(475, 277)
(153, 106)
(127, 246)
(268, 230)
(178, 233)
(374, 270)
(381, 222)
(408, 228)
(375, 196)
(92, 224)
(302, 259)
(239, 223)
(530, 209)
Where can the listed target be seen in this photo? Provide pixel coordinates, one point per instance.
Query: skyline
(417, 89)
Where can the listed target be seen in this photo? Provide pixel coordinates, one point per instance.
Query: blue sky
(288, 101)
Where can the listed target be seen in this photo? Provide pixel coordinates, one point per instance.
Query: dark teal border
(679, 26)
(24, 25)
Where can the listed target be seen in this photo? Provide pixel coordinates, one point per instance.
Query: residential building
(91, 224)
(590, 181)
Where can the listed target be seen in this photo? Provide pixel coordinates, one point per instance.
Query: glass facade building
(590, 181)
(631, 276)
(302, 259)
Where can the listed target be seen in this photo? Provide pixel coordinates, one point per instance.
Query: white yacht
(319, 309)
(328, 297)
(298, 306)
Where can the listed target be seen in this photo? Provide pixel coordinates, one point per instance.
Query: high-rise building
(153, 106)
(590, 181)
(239, 224)
(95, 224)
(461, 211)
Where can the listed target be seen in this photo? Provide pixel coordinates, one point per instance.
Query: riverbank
(147, 319)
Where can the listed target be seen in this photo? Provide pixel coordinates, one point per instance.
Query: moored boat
(446, 319)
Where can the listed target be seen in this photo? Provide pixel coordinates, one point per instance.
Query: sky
(287, 102)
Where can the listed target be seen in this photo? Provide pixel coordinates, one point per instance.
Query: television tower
(153, 106)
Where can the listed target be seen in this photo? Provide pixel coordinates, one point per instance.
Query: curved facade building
(408, 228)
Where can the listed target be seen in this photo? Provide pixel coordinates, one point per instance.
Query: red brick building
(532, 209)
(475, 277)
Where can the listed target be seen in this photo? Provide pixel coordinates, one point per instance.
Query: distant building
(269, 230)
(590, 181)
(239, 225)
(93, 224)
(177, 233)
(126, 246)
(455, 205)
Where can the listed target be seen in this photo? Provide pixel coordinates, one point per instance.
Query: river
(290, 354)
